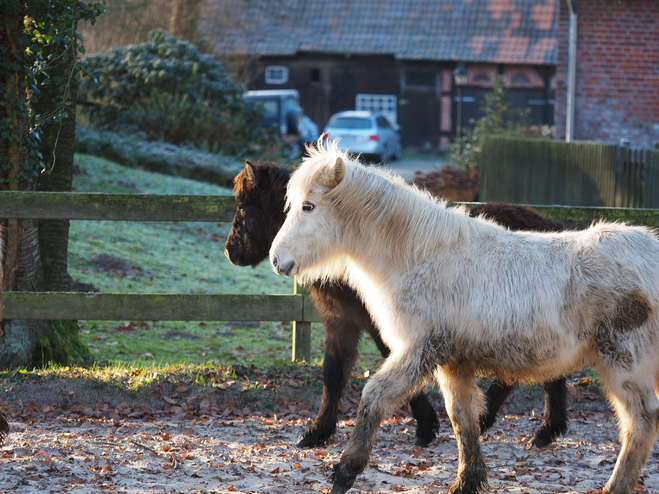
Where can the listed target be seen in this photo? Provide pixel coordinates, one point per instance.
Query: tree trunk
(28, 343)
(21, 263)
(61, 343)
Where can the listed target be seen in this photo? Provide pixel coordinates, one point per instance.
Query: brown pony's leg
(495, 395)
(344, 316)
(401, 375)
(464, 400)
(341, 342)
(555, 418)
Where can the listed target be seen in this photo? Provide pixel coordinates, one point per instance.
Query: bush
(500, 117)
(171, 92)
(136, 152)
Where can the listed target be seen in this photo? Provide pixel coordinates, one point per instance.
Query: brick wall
(617, 79)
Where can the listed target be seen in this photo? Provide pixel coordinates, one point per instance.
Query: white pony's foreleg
(637, 407)
(401, 376)
(464, 403)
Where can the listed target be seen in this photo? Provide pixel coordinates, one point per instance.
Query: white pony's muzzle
(282, 265)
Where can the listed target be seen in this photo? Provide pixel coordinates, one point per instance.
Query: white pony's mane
(372, 198)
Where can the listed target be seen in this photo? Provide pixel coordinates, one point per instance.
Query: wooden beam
(301, 328)
(581, 217)
(116, 207)
(153, 307)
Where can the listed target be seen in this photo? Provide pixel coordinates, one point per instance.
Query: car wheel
(382, 158)
(399, 152)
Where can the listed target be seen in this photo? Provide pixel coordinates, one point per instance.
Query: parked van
(282, 110)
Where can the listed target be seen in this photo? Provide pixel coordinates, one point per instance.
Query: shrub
(500, 117)
(136, 152)
(171, 92)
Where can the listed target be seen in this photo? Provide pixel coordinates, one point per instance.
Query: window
(521, 79)
(419, 78)
(350, 123)
(387, 104)
(382, 123)
(270, 107)
(482, 79)
(315, 75)
(276, 74)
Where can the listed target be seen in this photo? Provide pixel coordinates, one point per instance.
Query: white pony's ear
(332, 175)
(249, 171)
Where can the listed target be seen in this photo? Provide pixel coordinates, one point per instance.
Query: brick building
(617, 71)
(399, 53)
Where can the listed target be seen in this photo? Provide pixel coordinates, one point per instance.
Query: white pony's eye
(307, 207)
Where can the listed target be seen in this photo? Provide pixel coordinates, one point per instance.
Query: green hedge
(136, 152)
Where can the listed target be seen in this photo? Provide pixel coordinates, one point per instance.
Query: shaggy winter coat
(454, 296)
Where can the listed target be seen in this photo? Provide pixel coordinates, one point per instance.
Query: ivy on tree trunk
(38, 76)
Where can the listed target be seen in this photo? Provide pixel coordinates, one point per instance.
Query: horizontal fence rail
(115, 207)
(582, 217)
(157, 307)
(296, 307)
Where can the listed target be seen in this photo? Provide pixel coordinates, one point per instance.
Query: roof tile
(496, 31)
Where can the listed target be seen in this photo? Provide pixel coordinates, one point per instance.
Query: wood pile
(450, 184)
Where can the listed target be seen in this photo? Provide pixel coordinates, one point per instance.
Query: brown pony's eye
(307, 207)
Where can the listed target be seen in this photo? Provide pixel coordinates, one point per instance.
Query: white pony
(455, 296)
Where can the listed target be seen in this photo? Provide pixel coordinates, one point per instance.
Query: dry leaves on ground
(129, 449)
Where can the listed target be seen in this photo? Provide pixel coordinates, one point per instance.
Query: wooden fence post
(302, 329)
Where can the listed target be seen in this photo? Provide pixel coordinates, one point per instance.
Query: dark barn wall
(427, 105)
(329, 84)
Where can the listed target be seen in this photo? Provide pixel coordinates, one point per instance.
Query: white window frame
(387, 104)
(276, 74)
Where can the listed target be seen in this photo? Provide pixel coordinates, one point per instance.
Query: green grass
(167, 257)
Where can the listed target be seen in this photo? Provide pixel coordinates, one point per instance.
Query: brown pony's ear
(332, 175)
(250, 172)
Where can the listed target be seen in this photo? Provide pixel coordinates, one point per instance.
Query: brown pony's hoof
(313, 439)
(543, 438)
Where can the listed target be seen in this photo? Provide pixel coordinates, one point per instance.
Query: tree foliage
(35, 37)
(499, 117)
(170, 91)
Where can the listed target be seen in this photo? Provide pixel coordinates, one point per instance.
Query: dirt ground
(204, 444)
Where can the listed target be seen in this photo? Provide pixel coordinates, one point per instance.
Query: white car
(365, 133)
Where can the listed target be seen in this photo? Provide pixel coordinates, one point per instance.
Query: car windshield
(350, 123)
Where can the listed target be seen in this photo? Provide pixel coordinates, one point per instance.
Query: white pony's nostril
(287, 268)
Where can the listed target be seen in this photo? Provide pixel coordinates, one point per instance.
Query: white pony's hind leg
(464, 403)
(637, 407)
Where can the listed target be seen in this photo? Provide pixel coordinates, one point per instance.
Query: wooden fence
(295, 307)
(541, 171)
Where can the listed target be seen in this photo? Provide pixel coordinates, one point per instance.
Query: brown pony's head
(260, 191)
